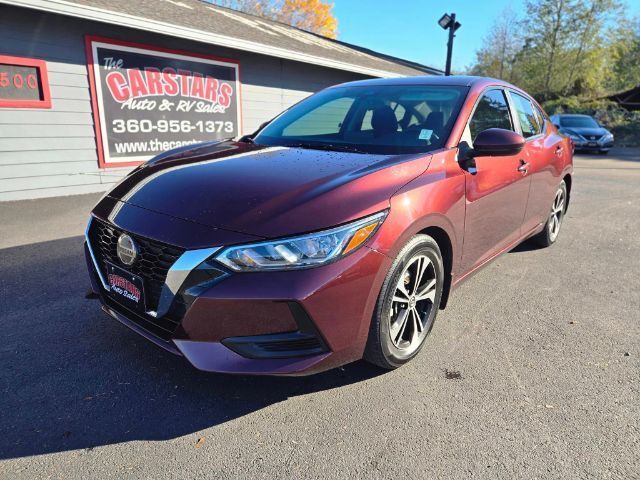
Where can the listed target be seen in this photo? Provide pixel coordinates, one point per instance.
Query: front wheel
(407, 304)
(549, 234)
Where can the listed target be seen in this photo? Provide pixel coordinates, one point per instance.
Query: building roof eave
(62, 7)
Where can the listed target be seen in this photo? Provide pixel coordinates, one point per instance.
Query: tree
(311, 15)
(624, 56)
(549, 27)
(563, 47)
(499, 52)
(589, 33)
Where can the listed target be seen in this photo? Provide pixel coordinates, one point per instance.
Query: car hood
(586, 132)
(267, 191)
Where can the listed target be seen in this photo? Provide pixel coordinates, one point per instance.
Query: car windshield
(578, 122)
(380, 119)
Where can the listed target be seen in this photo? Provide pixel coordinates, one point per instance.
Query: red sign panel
(24, 83)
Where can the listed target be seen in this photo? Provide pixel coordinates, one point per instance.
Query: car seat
(384, 121)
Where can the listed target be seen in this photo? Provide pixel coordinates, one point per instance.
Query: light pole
(448, 22)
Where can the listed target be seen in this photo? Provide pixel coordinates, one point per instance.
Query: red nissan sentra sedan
(336, 231)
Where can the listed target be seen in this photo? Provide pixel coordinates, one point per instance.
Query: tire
(551, 230)
(389, 315)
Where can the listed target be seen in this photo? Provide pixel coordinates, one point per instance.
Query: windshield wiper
(325, 146)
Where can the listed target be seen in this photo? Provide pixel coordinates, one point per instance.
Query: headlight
(576, 138)
(607, 137)
(305, 251)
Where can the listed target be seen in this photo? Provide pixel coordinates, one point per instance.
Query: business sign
(148, 100)
(23, 83)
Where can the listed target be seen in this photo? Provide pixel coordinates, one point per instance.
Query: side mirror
(497, 142)
(493, 142)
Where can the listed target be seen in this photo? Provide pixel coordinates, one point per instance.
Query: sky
(410, 29)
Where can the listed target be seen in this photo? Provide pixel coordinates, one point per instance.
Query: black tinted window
(529, 121)
(578, 122)
(492, 112)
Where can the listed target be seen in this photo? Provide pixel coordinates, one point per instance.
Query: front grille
(160, 327)
(153, 262)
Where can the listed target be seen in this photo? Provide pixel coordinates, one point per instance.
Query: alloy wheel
(413, 300)
(555, 217)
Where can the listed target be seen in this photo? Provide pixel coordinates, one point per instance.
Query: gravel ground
(531, 372)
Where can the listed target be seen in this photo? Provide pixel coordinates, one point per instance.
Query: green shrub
(627, 134)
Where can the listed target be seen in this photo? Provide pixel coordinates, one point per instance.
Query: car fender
(435, 199)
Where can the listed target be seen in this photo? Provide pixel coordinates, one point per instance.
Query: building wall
(52, 152)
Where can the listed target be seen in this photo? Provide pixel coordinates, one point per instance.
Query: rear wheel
(549, 234)
(407, 304)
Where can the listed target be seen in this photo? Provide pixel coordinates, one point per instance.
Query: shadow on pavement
(72, 378)
(526, 246)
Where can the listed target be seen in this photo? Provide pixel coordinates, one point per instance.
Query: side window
(492, 111)
(529, 118)
(324, 120)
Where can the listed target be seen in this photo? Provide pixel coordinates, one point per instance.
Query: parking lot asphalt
(533, 370)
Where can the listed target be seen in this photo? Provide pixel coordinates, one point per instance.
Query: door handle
(524, 166)
(559, 151)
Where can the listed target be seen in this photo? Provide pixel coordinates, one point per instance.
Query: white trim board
(62, 7)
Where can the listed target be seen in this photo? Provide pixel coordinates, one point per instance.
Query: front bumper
(278, 323)
(593, 146)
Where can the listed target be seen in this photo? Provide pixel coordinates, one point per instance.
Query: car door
(542, 148)
(496, 195)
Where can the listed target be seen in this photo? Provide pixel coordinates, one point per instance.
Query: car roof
(452, 80)
(572, 115)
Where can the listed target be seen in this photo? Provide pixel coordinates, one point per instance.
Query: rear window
(530, 121)
(578, 122)
(541, 118)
